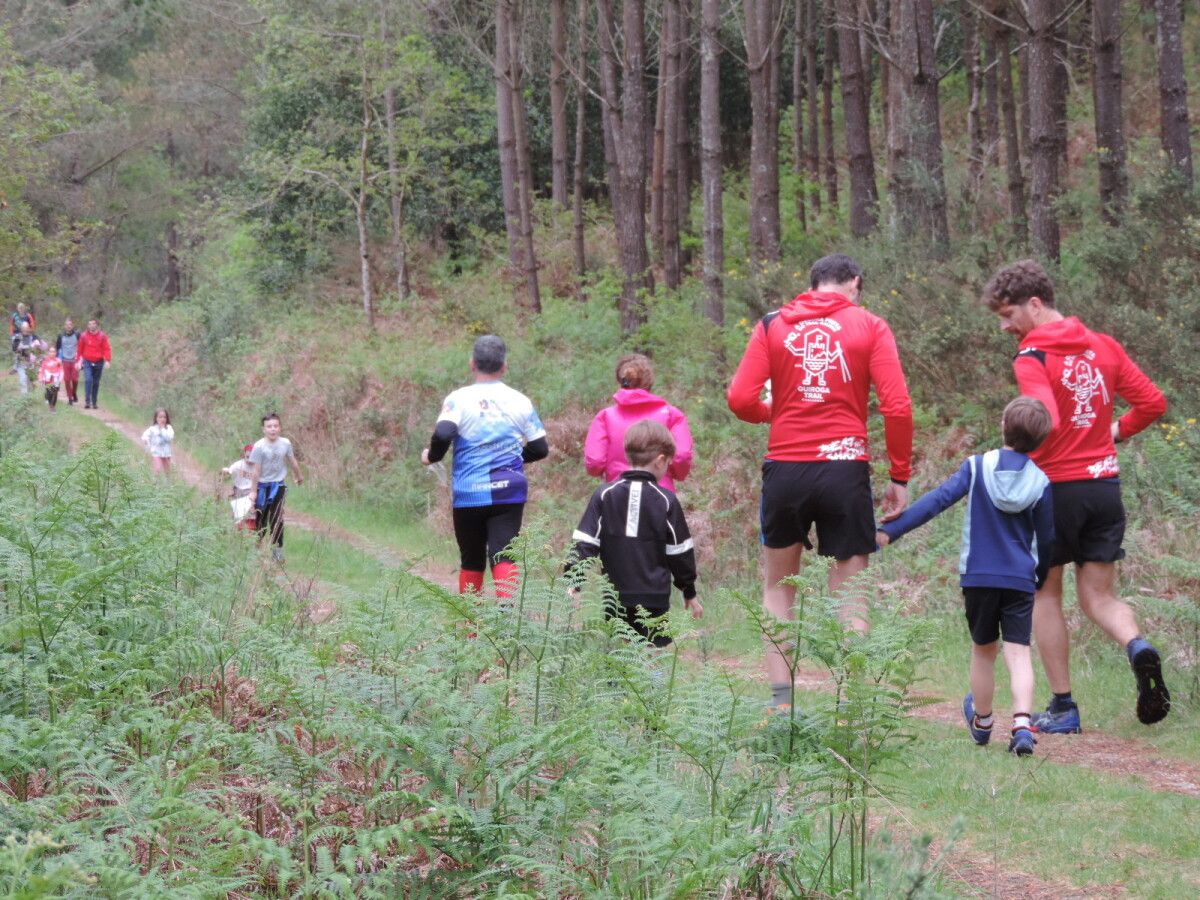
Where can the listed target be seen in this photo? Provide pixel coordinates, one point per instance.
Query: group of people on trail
(58, 365)
(1049, 496)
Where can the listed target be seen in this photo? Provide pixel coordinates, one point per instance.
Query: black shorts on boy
(1089, 522)
(834, 495)
(992, 612)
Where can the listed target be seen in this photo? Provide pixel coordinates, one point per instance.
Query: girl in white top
(158, 438)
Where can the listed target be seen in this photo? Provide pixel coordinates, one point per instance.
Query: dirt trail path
(214, 484)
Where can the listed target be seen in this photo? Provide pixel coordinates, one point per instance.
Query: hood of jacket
(814, 305)
(1063, 337)
(634, 397)
(1012, 490)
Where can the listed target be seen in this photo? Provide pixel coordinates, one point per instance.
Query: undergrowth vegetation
(172, 722)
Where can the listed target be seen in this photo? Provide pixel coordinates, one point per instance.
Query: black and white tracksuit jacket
(638, 530)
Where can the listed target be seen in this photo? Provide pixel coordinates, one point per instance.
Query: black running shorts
(483, 531)
(1089, 522)
(834, 495)
(995, 611)
(648, 626)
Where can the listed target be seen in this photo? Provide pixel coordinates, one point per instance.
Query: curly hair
(1014, 285)
(635, 371)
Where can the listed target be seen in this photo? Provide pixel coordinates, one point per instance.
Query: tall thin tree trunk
(658, 157)
(172, 288)
(1172, 89)
(1012, 143)
(683, 153)
(1106, 95)
(814, 131)
(670, 152)
(524, 165)
(558, 102)
(581, 12)
(710, 159)
(1044, 82)
(762, 61)
(506, 138)
(363, 197)
(991, 96)
(798, 64)
(829, 62)
(1023, 95)
(1062, 87)
(864, 199)
(974, 84)
(610, 108)
(395, 194)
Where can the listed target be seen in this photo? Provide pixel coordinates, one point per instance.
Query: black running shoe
(1153, 700)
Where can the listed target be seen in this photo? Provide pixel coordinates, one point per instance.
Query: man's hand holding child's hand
(882, 539)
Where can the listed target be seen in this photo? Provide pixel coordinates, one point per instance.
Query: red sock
(470, 582)
(504, 576)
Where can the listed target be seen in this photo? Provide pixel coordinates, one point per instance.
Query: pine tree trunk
(864, 199)
(798, 66)
(658, 158)
(1061, 88)
(1023, 95)
(524, 165)
(814, 131)
(580, 126)
(610, 107)
(1172, 90)
(363, 197)
(683, 152)
(974, 84)
(558, 103)
(763, 62)
(506, 139)
(991, 97)
(172, 287)
(395, 193)
(710, 159)
(1044, 83)
(829, 62)
(1012, 142)
(670, 146)
(1106, 95)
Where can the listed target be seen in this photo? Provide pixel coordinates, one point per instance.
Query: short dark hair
(1026, 424)
(269, 416)
(837, 268)
(489, 354)
(645, 440)
(1015, 285)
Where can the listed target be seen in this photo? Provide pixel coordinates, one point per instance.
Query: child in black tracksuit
(638, 530)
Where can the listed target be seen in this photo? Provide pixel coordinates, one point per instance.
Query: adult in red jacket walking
(821, 353)
(94, 354)
(1078, 374)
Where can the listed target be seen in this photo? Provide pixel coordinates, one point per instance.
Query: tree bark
(814, 131)
(395, 193)
(683, 152)
(1012, 138)
(505, 138)
(762, 60)
(558, 103)
(1044, 83)
(829, 62)
(1172, 90)
(610, 107)
(172, 287)
(670, 146)
(657, 157)
(991, 96)
(627, 118)
(1023, 72)
(580, 125)
(1106, 96)
(864, 198)
(1063, 77)
(974, 85)
(524, 166)
(710, 159)
(798, 69)
(363, 197)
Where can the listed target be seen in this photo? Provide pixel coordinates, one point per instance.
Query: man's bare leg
(779, 600)
(853, 609)
(1096, 584)
(1050, 632)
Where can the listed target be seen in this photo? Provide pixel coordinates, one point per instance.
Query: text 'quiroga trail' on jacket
(604, 448)
(1008, 529)
(638, 530)
(821, 354)
(1079, 374)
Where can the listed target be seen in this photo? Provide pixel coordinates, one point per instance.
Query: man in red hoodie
(821, 353)
(94, 354)
(1078, 374)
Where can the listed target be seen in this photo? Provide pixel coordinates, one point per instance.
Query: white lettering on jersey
(1086, 383)
(634, 511)
(845, 448)
(819, 353)
(1105, 468)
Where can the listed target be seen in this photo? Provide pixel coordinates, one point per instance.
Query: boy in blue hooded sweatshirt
(1008, 538)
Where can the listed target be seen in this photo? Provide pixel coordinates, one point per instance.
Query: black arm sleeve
(443, 436)
(535, 450)
(58, 344)
(681, 555)
(586, 536)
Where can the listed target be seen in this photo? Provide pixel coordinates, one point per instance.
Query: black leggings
(483, 531)
(270, 516)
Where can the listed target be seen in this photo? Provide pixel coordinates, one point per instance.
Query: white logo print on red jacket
(1085, 382)
(819, 352)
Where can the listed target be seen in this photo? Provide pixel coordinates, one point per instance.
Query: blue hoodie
(1008, 531)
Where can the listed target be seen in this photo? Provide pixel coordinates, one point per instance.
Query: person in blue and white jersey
(494, 430)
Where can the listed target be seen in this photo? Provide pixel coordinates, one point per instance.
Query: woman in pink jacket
(604, 449)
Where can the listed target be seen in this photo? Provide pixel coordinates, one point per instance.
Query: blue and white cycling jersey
(494, 423)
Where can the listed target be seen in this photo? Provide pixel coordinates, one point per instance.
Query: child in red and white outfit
(50, 373)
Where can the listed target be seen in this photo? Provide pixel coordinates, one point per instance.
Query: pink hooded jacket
(604, 449)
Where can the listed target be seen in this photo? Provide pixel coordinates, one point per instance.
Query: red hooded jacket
(94, 347)
(822, 354)
(1079, 374)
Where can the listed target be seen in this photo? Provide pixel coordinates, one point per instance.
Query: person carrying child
(25, 347)
(159, 438)
(638, 530)
(242, 473)
(1007, 543)
(50, 373)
